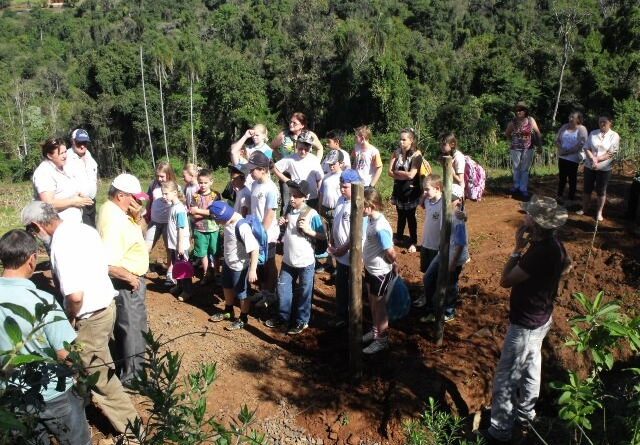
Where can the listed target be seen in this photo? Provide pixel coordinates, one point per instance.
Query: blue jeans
(64, 418)
(343, 283)
(516, 385)
(304, 276)
(430, 281)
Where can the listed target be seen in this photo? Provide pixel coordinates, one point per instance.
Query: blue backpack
(258, 232)
(398, 299)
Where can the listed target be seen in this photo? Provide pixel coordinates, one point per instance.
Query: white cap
(128, 183)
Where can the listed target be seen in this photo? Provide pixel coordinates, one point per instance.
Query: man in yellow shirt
(128, 259)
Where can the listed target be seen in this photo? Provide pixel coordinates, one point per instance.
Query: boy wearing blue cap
(340, 245)
(240, 264)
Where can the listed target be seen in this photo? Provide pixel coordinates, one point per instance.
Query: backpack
(258, 232)
(397, 299)
(474, 179)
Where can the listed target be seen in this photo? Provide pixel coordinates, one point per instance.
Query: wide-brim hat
(521, 105)
(546, 212)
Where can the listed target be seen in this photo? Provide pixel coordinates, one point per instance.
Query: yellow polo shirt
(123, 240)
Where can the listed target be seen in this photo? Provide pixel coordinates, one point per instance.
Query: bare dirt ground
(300, 385)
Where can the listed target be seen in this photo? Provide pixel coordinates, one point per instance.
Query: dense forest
(213, 67)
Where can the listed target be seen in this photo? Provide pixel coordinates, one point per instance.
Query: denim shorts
(236, 280)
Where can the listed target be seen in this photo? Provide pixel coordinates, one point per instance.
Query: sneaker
(184, 296)
(449, 317)
(237, 324)
(221, 316)
(379, 344)
(298, 328)
(368, 337)
(420, 302)
(168, 282)
(175, 290)
(429, 318)
(525, 195)
(580, 212)
(274, 323)
(320, 267)
(411, 249)
(513, 191)
(599, 218)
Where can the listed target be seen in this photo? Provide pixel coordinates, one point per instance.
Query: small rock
(319, 442)
(333, 435)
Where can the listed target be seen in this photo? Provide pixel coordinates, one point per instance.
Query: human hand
(303, 225)
(521, 238)
(252, 276)
(83, 201)
(248, 134)
(331, 250)
(134, 282)
(282, 221)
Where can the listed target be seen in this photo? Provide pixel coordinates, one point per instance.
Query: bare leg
(600, 206)
(229, 297)
(205, 265)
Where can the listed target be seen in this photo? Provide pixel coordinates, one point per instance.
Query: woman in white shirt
(602, 146)
(54, 186)
(570, 141)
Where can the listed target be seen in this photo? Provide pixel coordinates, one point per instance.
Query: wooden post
(355, 294)
(443, 252)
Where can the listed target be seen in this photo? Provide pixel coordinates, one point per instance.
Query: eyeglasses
(294, 123)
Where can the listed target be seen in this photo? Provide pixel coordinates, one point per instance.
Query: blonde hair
(172, 186)
(191, 168)
(165, 167)
(372, 198)
(262, 129)
(364, 131)
(434, 180)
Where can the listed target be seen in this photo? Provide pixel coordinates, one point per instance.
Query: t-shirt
(178, 220)
(459, 237)
(236, 252)
(189, 192)
(331, 190)
(298, 249)
(407, 190)
(206, 224)
(599, 144)
(243, 199)
(307, 168)
(122, 239)
(458, 164)
(569, 139)
(379, 239)
(78, 247)
(264, 148)
(432, 224)
(264, 197)
(367, 162)
(84, 170)
(49, 339)
(160, 208)
(48, 178)
(531, 302)
(341, 228)
(326, 168)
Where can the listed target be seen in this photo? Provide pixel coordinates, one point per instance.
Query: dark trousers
(89, 214)
(131, 322)
(407, 216)
(343, 284)
(567, 171)
(64, 418)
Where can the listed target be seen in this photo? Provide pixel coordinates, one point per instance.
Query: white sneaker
(379, 344)
(368, 337)
(580, 212)
(420, 302)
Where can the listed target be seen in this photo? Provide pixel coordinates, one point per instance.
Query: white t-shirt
(307, 168)
(432, 224)
(599, 144)
(331, 190)
(47, 178)
(160, 208)
(341, 228)
(236, 252)
(84, 170)
(458, 164)
(326, 168)
(366, 163)
(178, 220)
(379, 239)
(79, 261)
(298, 250)
(243, 199)
(189, 191)
(264, 197)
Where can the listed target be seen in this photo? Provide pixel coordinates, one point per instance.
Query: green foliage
(436, 427)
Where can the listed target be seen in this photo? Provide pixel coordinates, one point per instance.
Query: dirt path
(300, 385)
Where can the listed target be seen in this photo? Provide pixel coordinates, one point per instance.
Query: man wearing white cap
(128, 259)
(83, 169)
(533, 272)
(79, 263)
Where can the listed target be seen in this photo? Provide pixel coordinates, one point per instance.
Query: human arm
(120, 273)
(509, 131)
(378, 172)
(66, 203)
(73, 304)
(512, 273)
(312, 227)
(317, 145)
(269, 216)
(237, 146)
(535, 130)
(252, 276)
(275, 146)
(392, 165)
(279, 168)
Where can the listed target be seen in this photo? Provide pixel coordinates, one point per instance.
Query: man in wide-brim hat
(533, 273)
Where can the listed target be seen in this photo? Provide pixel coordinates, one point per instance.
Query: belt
(88, 315)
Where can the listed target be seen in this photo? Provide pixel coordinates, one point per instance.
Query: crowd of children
(241, 230)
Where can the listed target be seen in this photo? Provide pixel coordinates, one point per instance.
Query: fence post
(443, 251)
(355, 294)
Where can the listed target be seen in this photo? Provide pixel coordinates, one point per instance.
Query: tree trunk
(193, 142)
(19, 99)
(565, 59)
(146, 112)
(164, 128)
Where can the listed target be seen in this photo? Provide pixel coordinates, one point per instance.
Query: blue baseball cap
(350, 176)
(80, 135)
(221, 211)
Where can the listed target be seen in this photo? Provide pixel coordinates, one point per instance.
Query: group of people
(235, 235)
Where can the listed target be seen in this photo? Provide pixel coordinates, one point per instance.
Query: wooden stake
(355, 294)
(146, 113)
(443, 252)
